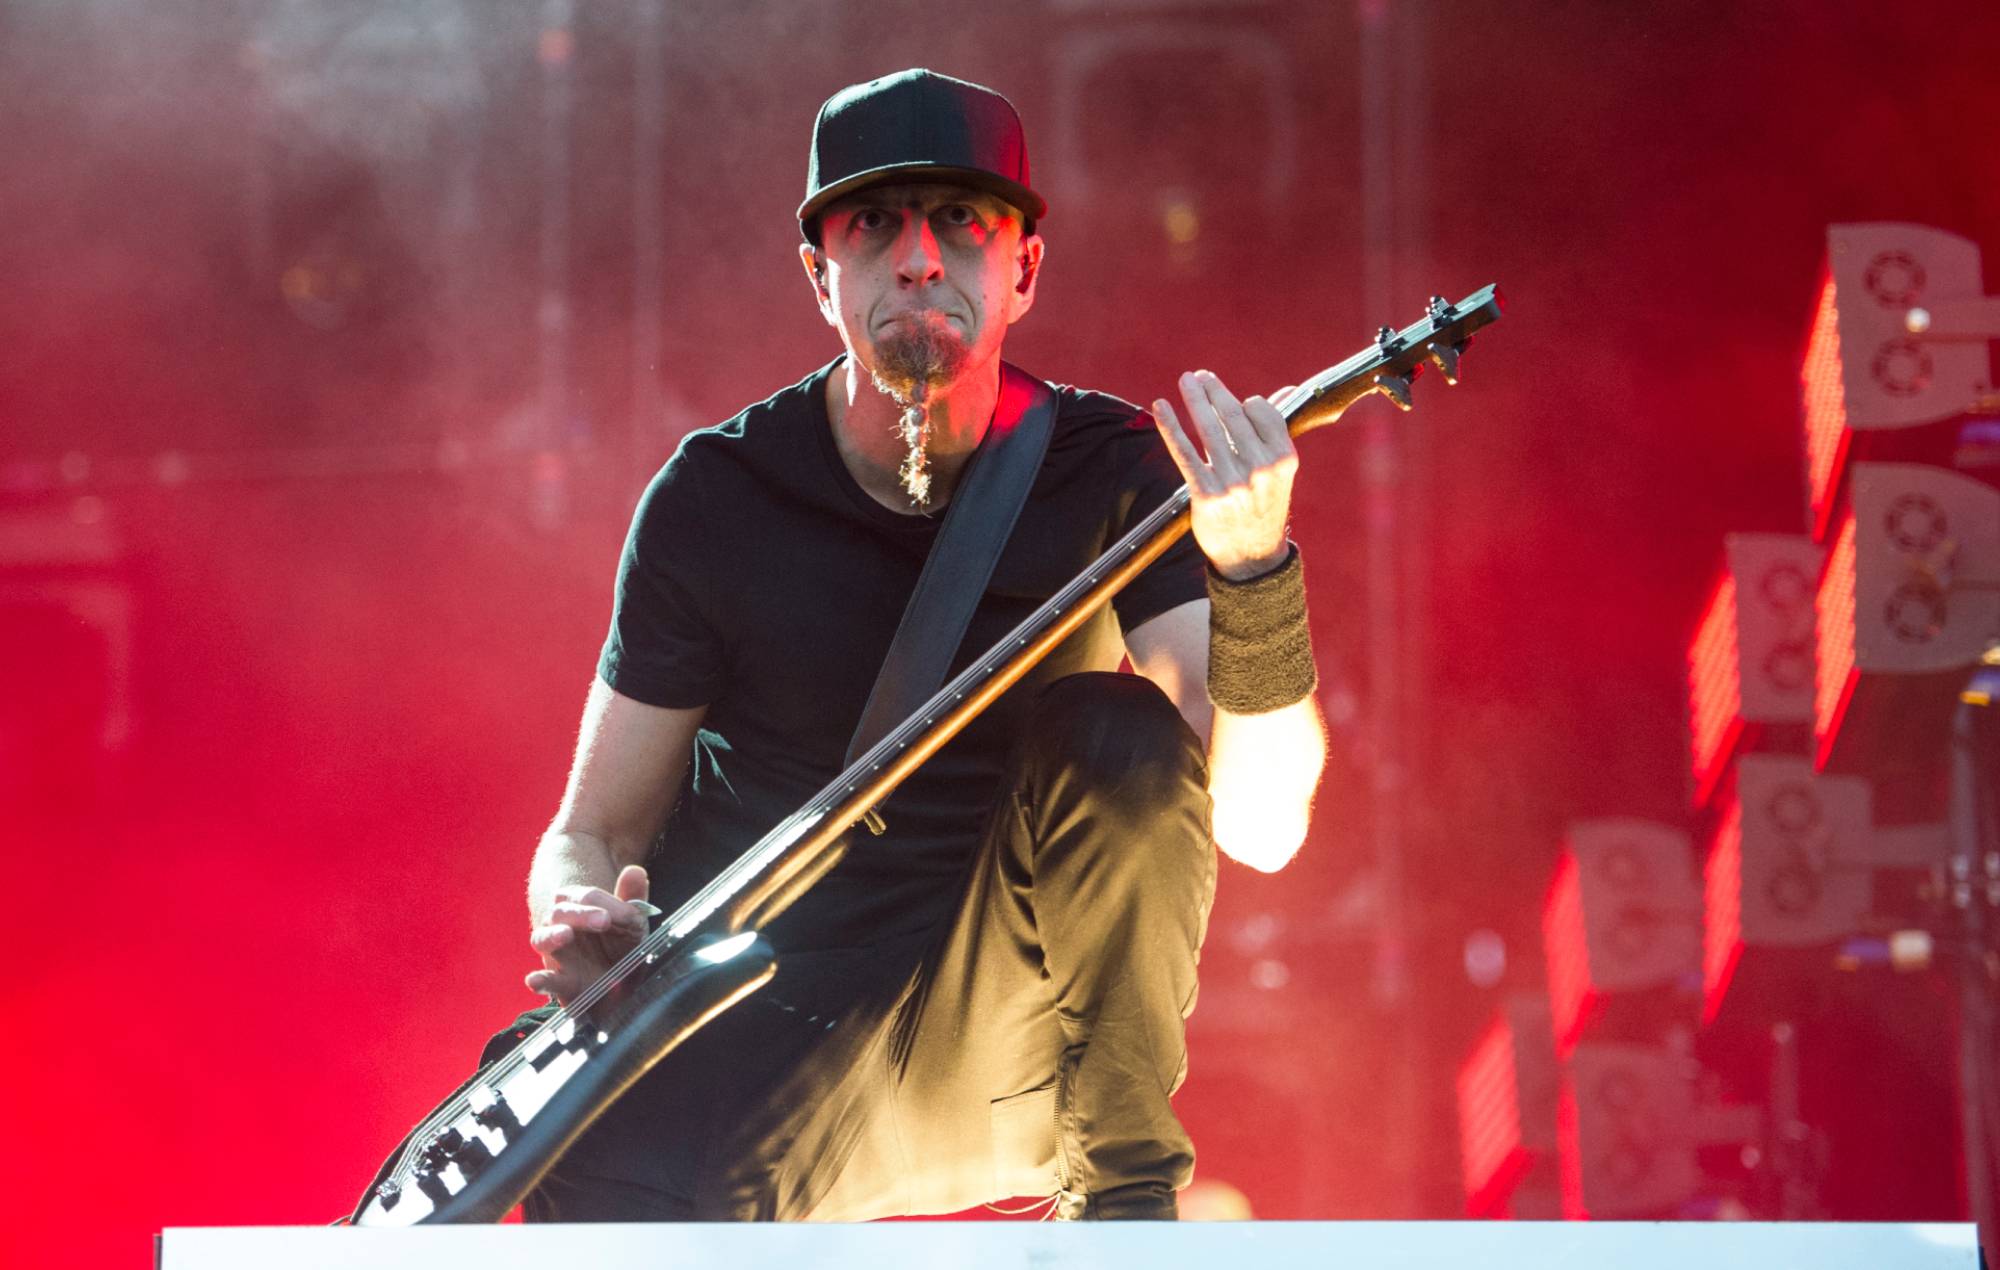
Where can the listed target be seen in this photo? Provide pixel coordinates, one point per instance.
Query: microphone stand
(1972, 897)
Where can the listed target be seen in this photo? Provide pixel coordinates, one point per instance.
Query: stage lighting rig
(1793, 864)
(1897, 357)
(1631, 1120)
(1507, 1090)
(1750, 664)
(1909, 600)
(1621, 924)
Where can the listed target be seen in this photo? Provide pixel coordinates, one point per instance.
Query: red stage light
(1750, 664)
(1835, 605)
(1622, 921)
(1631, 1123)
(1491, 1152)
(1898, 342)
(1825, 410)
(1715, 689)
(1722, 921)
(1791, 865)
(1569, 1152)
(1909, 598)
(1566, 947)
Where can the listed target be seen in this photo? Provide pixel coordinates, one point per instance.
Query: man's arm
(1262, 768)
(630, 757)
(1262, 764)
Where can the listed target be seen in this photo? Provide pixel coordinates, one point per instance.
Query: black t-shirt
(760, 580)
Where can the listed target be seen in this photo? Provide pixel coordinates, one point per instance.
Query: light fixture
(1909, 598)
(1622, 916)
(1750, 663)
(1898, 341)
(1507, 1113)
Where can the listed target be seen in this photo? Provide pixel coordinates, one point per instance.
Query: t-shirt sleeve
(1150, 478)
(663, 648)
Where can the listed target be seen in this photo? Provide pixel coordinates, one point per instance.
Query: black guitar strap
(976, 526)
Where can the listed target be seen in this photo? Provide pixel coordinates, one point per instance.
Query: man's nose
(918, 259)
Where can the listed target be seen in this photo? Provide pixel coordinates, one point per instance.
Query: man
(988, 999)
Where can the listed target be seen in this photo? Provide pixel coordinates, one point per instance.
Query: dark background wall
(311, 499)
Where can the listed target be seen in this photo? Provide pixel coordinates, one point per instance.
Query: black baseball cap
(917, 125)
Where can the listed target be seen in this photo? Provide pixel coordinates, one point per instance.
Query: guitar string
(743, 869)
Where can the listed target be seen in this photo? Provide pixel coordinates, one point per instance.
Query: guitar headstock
(1437, 340)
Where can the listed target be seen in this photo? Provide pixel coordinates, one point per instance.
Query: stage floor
(1044, 1246)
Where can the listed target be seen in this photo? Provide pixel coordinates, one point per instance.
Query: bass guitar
(486, 1146)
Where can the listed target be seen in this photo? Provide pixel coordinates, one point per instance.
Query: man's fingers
(1179, 448)
(586, 929)
(1214, 435)
(551, 939)
(1250, 446)
(588, 916)
(550, 982)
(1272, 434)
(632, 883)
(594, 908)
(589, 896)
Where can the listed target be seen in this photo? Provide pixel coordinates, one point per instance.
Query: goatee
(918, 357)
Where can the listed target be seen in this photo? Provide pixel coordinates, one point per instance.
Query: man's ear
(1028, 267)
(816, 273)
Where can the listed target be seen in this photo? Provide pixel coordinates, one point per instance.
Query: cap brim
(1029, 203)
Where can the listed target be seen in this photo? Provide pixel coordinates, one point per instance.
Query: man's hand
(1242, 491)
(587, 930)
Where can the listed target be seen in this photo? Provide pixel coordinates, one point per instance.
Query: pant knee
(1119, 741)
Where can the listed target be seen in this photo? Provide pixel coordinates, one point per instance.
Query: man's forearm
(1262, 766)
(568, 859)
(1262, 771)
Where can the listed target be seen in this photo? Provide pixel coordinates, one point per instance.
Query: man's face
(923, 280)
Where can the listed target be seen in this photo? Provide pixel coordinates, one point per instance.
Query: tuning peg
(1440, 308)
(1385, 338)
(1396, 388)
(1445, 358)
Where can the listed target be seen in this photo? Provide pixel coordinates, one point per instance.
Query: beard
(916, 358)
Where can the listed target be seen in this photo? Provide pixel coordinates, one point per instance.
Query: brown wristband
(1260, 655)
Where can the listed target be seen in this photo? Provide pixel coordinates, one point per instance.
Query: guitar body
(484, 1148)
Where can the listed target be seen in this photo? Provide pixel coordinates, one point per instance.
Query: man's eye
(870, 219)
(959, 214)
